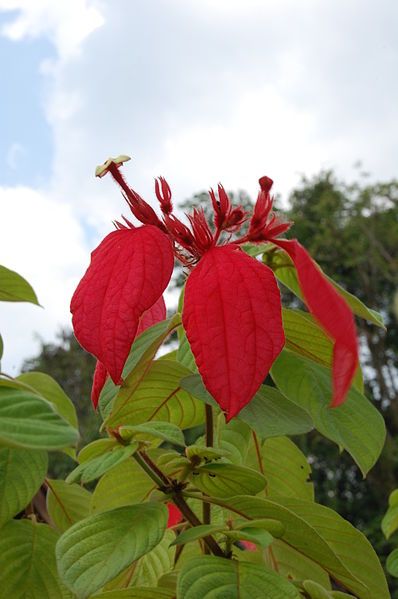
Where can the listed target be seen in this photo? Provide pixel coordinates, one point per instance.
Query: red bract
(128, 273)
(175, 515)
(232, 308)
(332, 313)
(232, 317)
(155, 314)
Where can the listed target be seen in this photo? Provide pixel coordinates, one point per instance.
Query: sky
(199, 91)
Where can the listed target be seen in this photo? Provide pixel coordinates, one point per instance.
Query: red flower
(175, 515)
(232, 308)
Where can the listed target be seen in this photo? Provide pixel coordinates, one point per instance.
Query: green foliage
(66, 503)
(235, 580)
(14, 288)
(26, 420)
(22, 471)
(96, 549)
(28, 567)
(356, 426)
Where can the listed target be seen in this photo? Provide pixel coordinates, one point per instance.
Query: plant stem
(209, 426)
(151, 472)
(209, 443)
(162, 481)
(210, 543)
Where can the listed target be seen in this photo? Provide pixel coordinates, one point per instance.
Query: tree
(353, 232)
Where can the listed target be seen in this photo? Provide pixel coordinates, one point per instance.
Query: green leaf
(155, 564)
(97, 448)
(21, 474)
(67, 504)
(323, 536)
(96, 467)
(45, 386)
(28, 421)
(125, 484)
(142, 353)
(209, 576)
(284, 270)
(256, 249)
(274, 527)
(389, 523)
(206, 453)
(14, 288)
(284, 466)
(28, 568)
(184, 352)
(226, 480)
(195, 533)
(295, 565)
(269, 413)
(315, 590)
(96, 549)
(137, 593)
(161, 430)
(259, 536)
(233, 438)
(153, 392)
(304, 336)
(356, 426)
(392, 563)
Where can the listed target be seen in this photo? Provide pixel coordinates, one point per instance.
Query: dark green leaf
(392, 563)
(96, 549)
(356, 426)
(389, 523)
(21, 473)
(323, 536)
(14, 288)
(269, 413)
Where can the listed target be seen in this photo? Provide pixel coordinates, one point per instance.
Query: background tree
(352, 230)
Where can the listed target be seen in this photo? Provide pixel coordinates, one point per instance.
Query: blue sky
(25, 140)
(197, 90)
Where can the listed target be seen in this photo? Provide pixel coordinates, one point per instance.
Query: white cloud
(65, 23)
(43, 241)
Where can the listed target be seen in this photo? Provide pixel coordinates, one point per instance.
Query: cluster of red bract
(232, 307)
